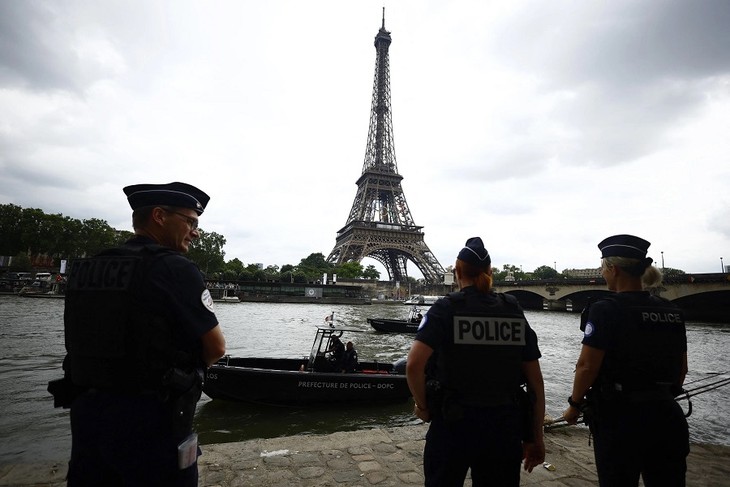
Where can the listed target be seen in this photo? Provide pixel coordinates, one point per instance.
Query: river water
(31, 334)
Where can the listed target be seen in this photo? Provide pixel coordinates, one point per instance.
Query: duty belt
(491, 400)
(657, 392)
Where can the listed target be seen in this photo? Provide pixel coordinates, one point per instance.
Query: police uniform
(133, 321)
(479, 342)
(636, 424)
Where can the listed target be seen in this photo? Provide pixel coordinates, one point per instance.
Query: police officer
(473, 350)
(632, 364)
(337, 353)
(140, 329)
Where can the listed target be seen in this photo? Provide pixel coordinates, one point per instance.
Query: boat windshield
(322, 343)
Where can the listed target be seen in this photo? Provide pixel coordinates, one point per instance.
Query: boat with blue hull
(307, 380)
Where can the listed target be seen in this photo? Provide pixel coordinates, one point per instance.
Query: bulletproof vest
(650, 345)
(481, 363)
(113, 339)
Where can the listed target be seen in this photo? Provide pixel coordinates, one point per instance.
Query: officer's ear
(158, 216)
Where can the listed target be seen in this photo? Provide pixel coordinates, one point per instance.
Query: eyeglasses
(192, 222)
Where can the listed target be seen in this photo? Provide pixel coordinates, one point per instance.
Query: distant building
(583, 273)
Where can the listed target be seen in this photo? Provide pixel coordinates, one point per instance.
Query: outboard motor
(399, 366)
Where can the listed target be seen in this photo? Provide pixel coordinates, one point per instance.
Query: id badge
(187, 451)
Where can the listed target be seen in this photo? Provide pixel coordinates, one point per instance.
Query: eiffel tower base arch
(392, 248)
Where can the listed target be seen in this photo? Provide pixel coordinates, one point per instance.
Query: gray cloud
(43, 48)
(629, 71)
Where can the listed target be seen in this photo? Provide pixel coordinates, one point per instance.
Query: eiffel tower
(380, 224)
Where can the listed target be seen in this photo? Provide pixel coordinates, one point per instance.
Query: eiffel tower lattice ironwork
(380, 225)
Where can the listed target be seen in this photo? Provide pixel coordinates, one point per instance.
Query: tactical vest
(650, 345)
(481, 363)
(113, 340)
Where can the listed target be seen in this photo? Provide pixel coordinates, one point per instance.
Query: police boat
(305, 381)
(408, 326)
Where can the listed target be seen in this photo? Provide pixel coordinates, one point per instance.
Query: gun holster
(185, 389)
(64, 392)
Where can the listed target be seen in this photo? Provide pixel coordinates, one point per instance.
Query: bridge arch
(703, 297)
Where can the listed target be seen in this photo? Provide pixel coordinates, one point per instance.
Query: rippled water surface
(31, 333)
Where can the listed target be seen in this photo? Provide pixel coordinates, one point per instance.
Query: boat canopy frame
(318, 356)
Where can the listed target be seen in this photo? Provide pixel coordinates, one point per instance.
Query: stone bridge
(704, 297)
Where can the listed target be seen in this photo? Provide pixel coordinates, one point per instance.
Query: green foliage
(669, 272)
(31, 231)
(96, 235)
(11, 239)
(545, 272)
(314, 266)
(233, 267)
(371, 272)
(349, 270)
(207, 252)
(507, 271)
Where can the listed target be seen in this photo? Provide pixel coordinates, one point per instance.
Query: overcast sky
(542, 127)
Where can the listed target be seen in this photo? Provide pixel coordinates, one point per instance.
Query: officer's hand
(571, 414)
(423, 414)
(533, 453)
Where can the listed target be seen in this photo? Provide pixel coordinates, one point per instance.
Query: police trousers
(485, 439)
(125, 440)
(649, 438)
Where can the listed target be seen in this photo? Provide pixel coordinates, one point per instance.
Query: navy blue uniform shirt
(437, 326)
(175, 288)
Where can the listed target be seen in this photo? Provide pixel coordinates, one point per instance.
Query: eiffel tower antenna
(380, 224)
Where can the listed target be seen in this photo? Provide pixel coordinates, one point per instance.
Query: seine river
(31, 330)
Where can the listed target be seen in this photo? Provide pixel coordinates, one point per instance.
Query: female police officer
(631, 365)
(465, 367)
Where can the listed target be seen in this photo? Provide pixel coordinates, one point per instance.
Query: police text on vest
(482, 330)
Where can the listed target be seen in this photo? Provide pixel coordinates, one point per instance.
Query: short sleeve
(600, 325)
(531, 351)
(181, 290)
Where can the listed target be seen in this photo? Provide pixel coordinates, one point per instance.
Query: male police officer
(632, 363)
(471, 353)
(140, 330)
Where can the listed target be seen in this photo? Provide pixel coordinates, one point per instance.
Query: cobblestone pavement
(379, 457)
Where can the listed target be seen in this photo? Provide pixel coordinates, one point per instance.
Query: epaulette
(456, 296)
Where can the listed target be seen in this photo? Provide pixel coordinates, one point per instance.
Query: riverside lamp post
(722, 267)
(662, 260)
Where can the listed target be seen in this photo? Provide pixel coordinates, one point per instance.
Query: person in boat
(140, 330)
(471, 353)
(632, 364)
(349, 359)
(336, 352)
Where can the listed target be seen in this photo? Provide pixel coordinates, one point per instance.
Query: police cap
(181, 195)
(475, 254)
(624, 246)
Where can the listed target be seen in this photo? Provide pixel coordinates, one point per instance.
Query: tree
(669, 272)
(96, 235)
(508, 270)
(11, 238)
(234, 267)
(314, 266)
(371, 272)
(207, 252)
(545, 272)
(349, 270)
